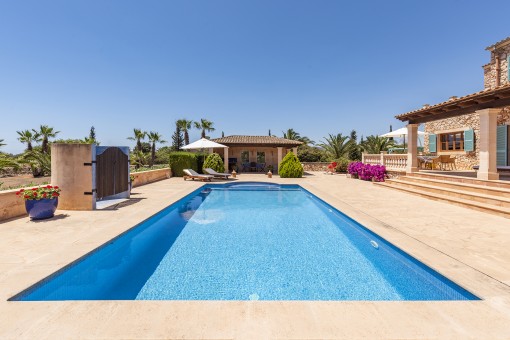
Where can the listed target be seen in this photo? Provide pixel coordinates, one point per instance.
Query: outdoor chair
(217, 174)
(190, 173)
(253, 166)
(447, 162)
(261, 167)
(246, 167)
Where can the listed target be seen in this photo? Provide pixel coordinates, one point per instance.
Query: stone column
(280, 156)
(363, 157)
(211, 150)
(488, 131)
(295, 151)
(382, 157)
(412, 148)
(225, 158)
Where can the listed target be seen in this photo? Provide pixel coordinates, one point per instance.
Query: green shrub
(182, 160)
(341, 165)
(214, 162)
(290, 167)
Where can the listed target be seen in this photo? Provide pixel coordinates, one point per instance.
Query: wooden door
(111, 172)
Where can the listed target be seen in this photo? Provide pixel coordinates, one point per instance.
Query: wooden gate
(111, 172)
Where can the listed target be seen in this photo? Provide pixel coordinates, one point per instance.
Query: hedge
(182, 160)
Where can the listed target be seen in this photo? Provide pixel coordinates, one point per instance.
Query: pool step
(496, 205)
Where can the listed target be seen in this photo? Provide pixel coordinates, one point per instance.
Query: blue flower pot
(41, 209)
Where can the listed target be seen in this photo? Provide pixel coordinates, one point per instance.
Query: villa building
(474, 128)
(254, 153)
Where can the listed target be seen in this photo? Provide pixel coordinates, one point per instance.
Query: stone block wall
(146, 177)
(463, 160)
(489, 70)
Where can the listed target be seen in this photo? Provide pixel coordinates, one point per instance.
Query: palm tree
(376, 144)
(26, 136)
(139, 135)
(154, 137)
(45, 132)
(2, 143)
(139, 158)
(204, 125)
(185, 126)
(337, 146)
(293, 135)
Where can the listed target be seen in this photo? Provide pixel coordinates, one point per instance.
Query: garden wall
(146, 177)
(11, 205)
(315, 166)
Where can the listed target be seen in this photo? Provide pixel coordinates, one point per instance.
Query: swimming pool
(247, 241)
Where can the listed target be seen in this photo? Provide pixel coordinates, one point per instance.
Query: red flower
(27, 197)
(34, 189)
(21, 190)
(44, 195)
(55, 187)
(18, 193)
(49, 186)
(55, 194)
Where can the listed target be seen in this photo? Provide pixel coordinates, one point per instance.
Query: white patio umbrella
(203, 143)
(402, 133)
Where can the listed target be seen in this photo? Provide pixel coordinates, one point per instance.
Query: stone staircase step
(454, 193)
(475, 188)
(460, 179)
(467, 203)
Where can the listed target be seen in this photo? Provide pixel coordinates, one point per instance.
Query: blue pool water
(247, 242)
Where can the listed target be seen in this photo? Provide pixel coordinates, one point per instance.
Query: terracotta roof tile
(457, 100)
(493, 46)
(272, 140)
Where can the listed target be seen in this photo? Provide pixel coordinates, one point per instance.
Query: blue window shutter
(502, 145)
(432, 143)
(469, 140)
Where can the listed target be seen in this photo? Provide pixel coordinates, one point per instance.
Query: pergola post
(412, 148)
(295, 151)
(225, 158)
(488, 130)
(280, 156)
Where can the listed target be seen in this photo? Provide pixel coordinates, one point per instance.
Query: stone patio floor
(469, 247)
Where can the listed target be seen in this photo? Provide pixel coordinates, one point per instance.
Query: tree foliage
(214, 162)
(290, 167)
(138, 136)
(376, 144)
(337, 146)
(154, 138)
(293, 135)
(204, 125)
(182, 160)
(185, 126)
(177, 138)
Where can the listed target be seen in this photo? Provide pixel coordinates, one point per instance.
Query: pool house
(254, 153)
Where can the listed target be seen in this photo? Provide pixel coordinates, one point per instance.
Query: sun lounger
(217, 174)
(190, 173)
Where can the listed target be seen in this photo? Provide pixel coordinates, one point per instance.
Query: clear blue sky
(316, 66)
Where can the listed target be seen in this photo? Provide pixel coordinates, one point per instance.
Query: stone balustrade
(392, 162)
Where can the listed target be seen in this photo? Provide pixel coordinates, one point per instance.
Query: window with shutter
(432, 143)
(502, 145)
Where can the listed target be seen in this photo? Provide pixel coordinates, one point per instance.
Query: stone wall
(315, 166)
(11, 205)
(489, 70)
(146, 177)
(463, 160)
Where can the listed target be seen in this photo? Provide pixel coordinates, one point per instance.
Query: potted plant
(40, 202)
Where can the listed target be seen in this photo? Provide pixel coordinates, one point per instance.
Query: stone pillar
(225, 158)
(72, 170)
(211, 150)
(488, 131)
(280, 156)
(412, 148)
(295, 151)
(363, 157)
